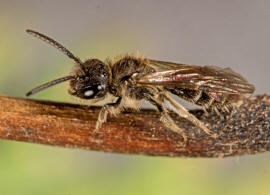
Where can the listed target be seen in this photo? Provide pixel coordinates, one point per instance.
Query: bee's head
(91, 82)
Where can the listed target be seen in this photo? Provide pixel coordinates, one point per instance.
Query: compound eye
(88, 93)
(92, 91)
(100, 87)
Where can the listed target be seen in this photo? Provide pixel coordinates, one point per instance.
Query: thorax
(122, 70)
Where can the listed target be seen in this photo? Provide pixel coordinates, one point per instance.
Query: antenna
(49, 84)
(56, 45)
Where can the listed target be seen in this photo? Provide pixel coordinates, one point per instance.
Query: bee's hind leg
(166, 119)
(113, 108)
(183, 112)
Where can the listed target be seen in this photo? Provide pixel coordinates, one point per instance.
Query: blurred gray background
(232, 33)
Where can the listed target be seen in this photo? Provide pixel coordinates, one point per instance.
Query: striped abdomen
(204, 99)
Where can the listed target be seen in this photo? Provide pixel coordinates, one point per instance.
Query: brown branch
(244, 131)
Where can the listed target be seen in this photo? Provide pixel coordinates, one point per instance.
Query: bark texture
(246, 130)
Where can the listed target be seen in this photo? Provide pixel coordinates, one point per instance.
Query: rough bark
(246, 130)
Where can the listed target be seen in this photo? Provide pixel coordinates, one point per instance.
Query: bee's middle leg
(105, 110)
(166, 118)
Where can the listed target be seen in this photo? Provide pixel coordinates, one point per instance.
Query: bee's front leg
(112, 108)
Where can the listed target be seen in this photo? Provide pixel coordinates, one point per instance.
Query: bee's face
(92, 83)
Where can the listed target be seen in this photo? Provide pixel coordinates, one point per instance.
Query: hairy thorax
(122, 71)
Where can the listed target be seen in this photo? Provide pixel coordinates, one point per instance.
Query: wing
(212, 79)
(162, 66)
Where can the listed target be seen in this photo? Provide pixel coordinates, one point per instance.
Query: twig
(246, 130)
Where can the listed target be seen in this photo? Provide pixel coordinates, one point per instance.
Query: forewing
(212, 79)
(163, 66)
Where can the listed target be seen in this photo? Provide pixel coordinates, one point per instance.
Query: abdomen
(204, 99)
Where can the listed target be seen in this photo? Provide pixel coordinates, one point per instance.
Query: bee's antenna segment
(56, 45)
(49, 84)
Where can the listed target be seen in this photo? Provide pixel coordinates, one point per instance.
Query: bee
(131, 79)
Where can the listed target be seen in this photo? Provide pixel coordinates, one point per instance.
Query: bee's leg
(166, 119)
(112, 108)
(183, 112)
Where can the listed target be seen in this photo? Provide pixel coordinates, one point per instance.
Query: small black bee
(131, 79)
